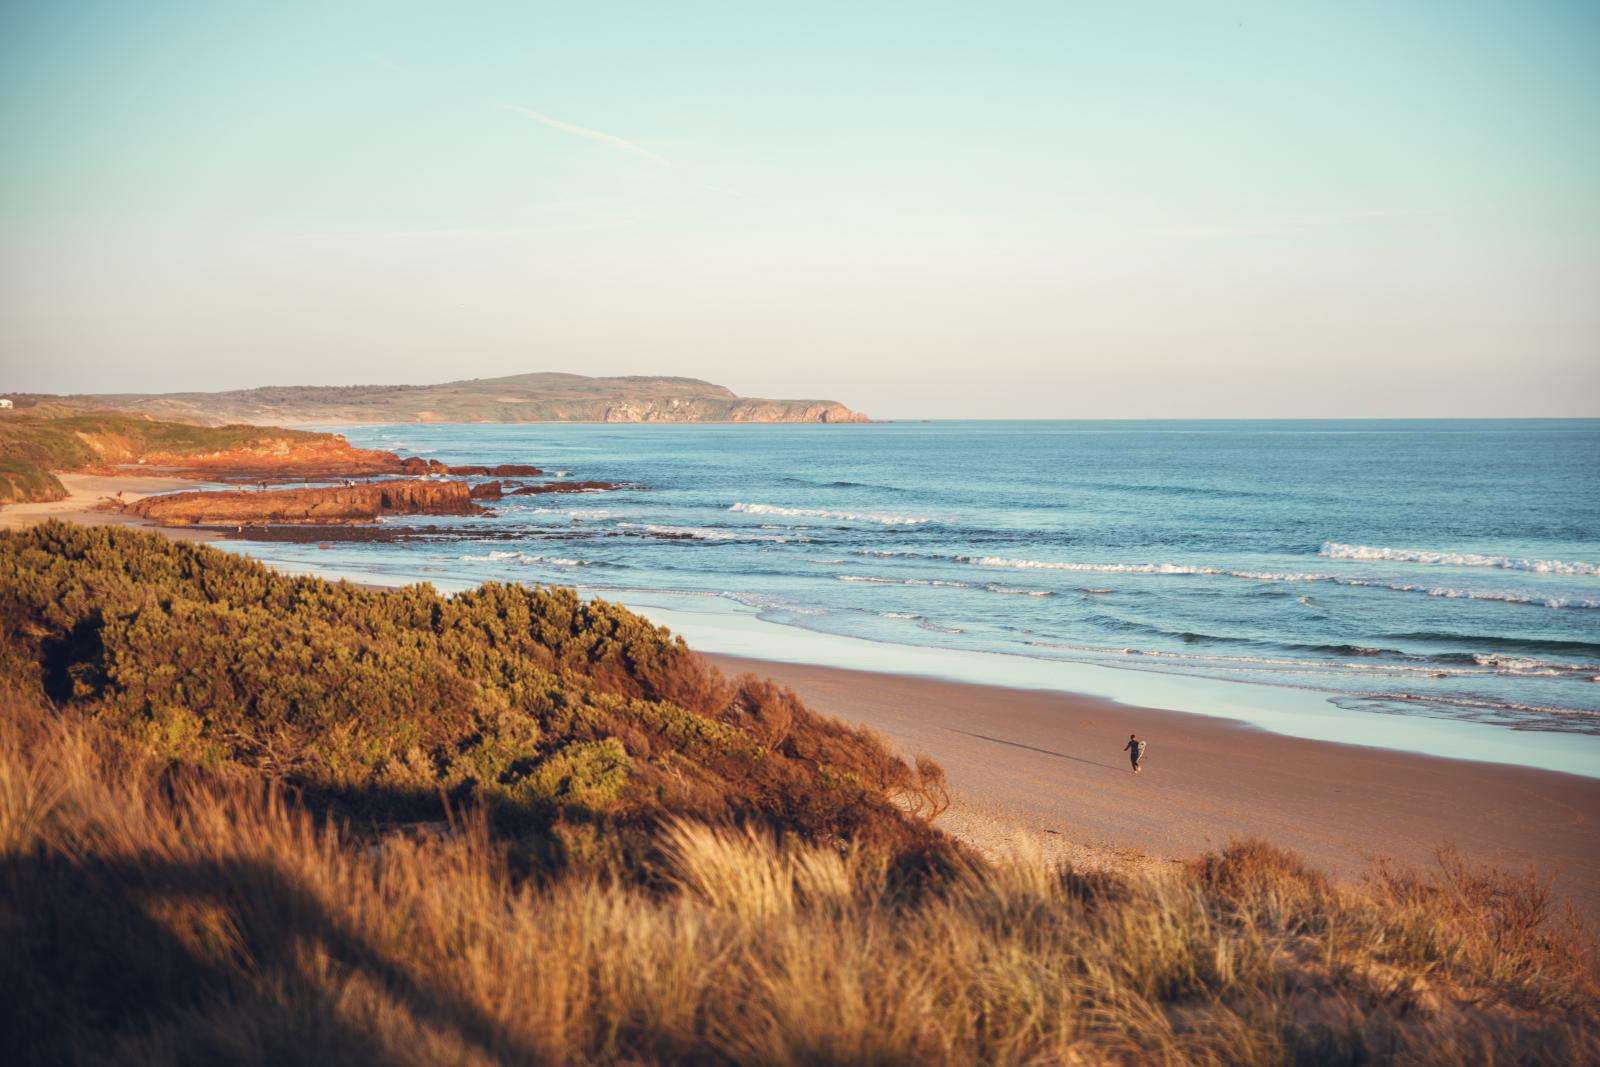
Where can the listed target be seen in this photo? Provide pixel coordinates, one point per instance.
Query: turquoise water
(1375, 577)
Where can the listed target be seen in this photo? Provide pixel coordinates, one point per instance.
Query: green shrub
(583, 774)
(75, 441)
(22, 481)
(383, 703)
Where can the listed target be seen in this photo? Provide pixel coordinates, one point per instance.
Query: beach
(1035, 770)
(86, 495)
(1043, 771)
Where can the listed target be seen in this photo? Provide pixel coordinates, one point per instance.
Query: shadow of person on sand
(1032, 748)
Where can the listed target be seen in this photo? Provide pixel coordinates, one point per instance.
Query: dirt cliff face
(336, 504)
(329, 457)
(740, 411)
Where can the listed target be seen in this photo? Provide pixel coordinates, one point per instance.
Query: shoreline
(1043, 771)
(1040, 770)
(85, 494)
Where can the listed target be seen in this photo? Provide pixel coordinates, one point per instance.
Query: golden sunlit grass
(154, 914)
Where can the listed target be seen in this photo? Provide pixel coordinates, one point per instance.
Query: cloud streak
(608, 139)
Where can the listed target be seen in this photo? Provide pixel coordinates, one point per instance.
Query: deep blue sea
(1443, 570)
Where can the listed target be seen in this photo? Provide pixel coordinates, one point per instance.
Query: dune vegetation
(73, 441)
(22, 481)
(254, 818)
(32, 446)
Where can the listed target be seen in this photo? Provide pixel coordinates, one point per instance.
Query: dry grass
(154, 914)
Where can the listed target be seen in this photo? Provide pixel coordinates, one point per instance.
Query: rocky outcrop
(566, 487)
(334, 504)
(418, 465)
(504, 470)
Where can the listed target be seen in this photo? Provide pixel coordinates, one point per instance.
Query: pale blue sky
(981, 210)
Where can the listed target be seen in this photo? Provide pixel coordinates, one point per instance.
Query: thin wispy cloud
(610, 139)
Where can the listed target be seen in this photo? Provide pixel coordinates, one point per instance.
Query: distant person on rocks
(1135, 750)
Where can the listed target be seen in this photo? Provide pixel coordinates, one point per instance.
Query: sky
(1001, 210)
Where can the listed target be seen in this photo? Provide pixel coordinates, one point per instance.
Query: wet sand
(1046, 771)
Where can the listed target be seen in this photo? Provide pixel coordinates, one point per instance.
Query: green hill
(517, 398)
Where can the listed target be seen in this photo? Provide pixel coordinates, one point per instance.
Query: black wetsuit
(1135, 750)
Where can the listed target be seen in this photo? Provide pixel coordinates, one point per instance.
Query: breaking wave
(823, 513)
(990, 587)
(1336, 550)
(1509, 596)
(531, 558)
(703, 533)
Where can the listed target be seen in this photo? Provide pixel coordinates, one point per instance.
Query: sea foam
(823, 513)
(1336, 550)
(531, 558)
(1509, 596)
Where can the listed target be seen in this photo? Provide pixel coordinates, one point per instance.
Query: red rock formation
(504, 470)
(336, 504)
(564, 487)
(487, 491)
(418, 465)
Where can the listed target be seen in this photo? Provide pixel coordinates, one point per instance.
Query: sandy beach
(86, 495)
(1045, 771)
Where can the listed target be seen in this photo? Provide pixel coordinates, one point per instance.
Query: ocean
(1432, 585)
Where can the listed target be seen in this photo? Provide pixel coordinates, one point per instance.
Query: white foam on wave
(704, 533)
(1483, 664)
(1530, 665)
(1337, 550)
(1015, 591)
(499, 556)
(944, 583)
(1509, 596)
(1089, 568)
(1505, 596)
(823, 513)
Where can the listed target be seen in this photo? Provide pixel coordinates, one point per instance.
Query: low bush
(22, 481)
(390, 704)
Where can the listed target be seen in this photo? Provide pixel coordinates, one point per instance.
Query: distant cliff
(518, 398)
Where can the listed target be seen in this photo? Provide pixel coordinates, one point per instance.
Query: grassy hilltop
(539, 397)
(250, 817)
(32, 447)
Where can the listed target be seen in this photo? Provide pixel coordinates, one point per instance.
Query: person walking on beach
(1135, 750)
